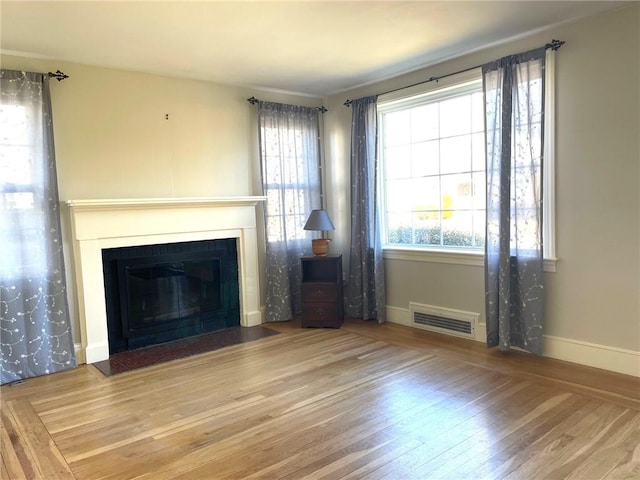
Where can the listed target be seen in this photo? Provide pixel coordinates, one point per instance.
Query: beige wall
(113, 141)
(594, 295)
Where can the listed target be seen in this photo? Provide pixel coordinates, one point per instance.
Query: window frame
(415, 95)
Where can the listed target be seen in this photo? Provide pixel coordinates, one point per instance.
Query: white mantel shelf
(125, 222)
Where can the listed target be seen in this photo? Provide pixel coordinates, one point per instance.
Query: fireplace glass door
(160, 293)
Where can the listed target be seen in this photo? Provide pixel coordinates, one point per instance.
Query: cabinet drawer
(319, 292)
(321, 315)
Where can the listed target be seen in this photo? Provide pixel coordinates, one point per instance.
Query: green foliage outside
(431, 236)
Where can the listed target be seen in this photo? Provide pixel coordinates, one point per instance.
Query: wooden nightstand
(322, 301)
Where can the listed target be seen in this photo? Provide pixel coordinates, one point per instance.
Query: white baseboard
(400, 316)
(80, 356)
(251, 319)
(576, 351)
(593, 355)
(96, 352)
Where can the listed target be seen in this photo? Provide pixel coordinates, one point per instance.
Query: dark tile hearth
(186, 347)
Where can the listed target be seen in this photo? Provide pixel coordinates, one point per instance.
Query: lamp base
(320, 246)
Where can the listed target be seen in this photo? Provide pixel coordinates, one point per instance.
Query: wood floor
(365, 401)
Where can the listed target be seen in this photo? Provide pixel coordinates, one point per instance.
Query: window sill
(474, 259)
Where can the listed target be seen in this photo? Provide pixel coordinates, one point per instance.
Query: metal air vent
(443, 320)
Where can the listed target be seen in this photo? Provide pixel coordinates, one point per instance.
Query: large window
(432, 152)
(432, 148)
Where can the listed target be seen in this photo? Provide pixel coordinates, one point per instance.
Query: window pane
(526, 145)
(457, 228)
(18, 200)
(398, 161)
(15, 165)
(14, 125)
(455, 154)
(525, 187)
(456, 192)
(397, 193)
(274, 202)
(272, 175)
(425, 194)
(455, 116)
(274, 227)
(426, 228)
(397, 128)
(294, 202)
(294, 224)
(425, 158)
(399, 229)
(424, 123)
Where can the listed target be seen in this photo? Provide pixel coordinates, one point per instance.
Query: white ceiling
(310, 47)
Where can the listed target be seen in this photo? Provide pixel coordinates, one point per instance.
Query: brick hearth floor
(145, 357)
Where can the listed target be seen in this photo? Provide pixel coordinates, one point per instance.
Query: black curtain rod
(553, 45)
(254, 100)
(58, 75)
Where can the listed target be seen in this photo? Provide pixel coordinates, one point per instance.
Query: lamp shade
(319, 220)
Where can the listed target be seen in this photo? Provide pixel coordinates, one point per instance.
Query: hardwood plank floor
(365, 401)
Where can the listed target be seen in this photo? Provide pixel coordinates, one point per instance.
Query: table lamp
(319, 221)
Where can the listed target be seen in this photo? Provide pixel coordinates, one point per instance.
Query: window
(16, 184)
(291, 176)
(21, 193)
(433, 182)
(432, 149)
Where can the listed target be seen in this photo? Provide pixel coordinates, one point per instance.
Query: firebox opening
(159, 293)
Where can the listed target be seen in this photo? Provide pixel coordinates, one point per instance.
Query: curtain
(35, 331)
(290, 161)
(514, 96)
(365, 285)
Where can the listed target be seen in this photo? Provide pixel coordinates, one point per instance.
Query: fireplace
(100, 225)
(158, 293)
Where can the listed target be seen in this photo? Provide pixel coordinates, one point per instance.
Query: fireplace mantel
(110, 223)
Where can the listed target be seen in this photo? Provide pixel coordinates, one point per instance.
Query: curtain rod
(58, 75)
(254, 100)
(553, 45)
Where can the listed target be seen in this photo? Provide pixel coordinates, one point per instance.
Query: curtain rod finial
(58, 75)
(348, 103)
(555, 44)
(252, 100)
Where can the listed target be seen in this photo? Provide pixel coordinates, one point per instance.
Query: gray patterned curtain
(35, 331)
(514, 96)
(290, 162)
(365, 285)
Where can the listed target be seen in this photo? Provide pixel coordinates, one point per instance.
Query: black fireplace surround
(158, 293)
